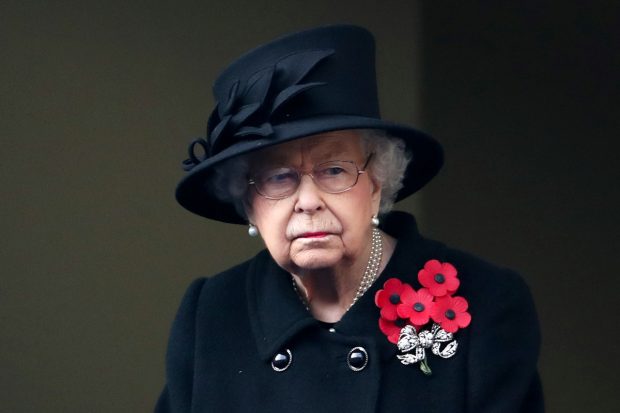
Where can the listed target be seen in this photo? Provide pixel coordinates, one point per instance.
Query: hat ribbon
(247, 112)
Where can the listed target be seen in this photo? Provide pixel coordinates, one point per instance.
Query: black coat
(229, 327)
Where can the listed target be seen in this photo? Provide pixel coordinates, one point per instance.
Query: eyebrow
(320, 153)
(332, 152)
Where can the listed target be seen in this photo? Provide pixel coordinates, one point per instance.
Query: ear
(247, 207)
(249, 214)
(375, 194)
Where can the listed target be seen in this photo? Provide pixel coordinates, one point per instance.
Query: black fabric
(229, 327)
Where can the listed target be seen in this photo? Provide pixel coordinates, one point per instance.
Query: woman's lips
(313, 235)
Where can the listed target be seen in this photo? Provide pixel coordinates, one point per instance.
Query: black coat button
(357, 358)
(282, 360)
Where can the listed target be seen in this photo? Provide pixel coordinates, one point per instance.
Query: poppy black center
(440, 278)
(395, 299)
(450, 314)
(419, 307)
(400, 323)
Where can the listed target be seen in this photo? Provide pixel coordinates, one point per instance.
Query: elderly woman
(349, 308)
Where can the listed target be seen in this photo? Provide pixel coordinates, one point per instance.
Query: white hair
(387, 168)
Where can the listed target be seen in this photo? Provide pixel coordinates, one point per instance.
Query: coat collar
(277, 315)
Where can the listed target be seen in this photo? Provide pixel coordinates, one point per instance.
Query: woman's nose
(309, 196)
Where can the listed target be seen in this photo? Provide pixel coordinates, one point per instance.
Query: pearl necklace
(370, 274)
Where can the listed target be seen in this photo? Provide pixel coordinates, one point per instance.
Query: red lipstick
(314, 234)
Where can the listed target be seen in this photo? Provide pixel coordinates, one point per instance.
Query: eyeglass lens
(332, 177)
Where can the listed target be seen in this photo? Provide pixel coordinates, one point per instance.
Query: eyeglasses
(332, 177)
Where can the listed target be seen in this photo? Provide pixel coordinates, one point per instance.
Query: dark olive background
(98, 101)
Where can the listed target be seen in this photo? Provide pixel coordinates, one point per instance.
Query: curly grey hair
(388, 165)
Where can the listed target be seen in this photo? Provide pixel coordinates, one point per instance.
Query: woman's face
(313, 229)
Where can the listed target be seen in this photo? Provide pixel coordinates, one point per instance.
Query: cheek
(359, 208)
(353, 237)
(271, 222)
(355, 219)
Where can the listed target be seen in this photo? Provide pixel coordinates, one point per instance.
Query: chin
(316, 260)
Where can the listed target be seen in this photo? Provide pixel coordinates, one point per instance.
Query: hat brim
(194, 194)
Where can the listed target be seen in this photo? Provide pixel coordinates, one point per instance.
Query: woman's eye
(276, 177)
(335, 170)
(331, 171)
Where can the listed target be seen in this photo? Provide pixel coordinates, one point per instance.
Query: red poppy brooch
(426, 319)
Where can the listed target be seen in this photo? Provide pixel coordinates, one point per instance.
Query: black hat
(302, 84)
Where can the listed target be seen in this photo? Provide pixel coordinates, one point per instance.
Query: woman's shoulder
(226, 284)
(497, 295)
(416, 249)
(482, 277)
(483, 282)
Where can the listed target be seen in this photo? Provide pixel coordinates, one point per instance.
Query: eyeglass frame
(252, 182)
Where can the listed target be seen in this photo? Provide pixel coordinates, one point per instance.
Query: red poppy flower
(440, 278)
(388, 298)
(391, 328)
(451, 313)
(417, 306)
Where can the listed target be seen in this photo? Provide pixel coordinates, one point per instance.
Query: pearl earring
(252, 230)
(375, 221)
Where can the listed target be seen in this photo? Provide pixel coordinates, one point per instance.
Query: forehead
(341, 145)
